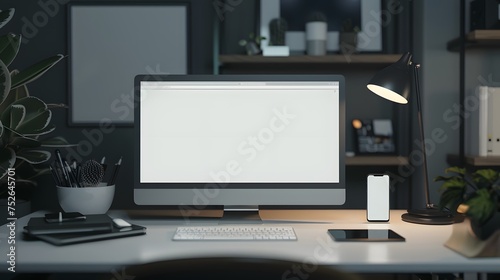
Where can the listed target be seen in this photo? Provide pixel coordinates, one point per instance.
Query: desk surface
(423, 250)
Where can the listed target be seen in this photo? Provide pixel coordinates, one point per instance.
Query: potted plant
(252, 45)
(477, 196)
(25, 120)
(348, 37)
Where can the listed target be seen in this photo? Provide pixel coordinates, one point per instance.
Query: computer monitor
(239, 141)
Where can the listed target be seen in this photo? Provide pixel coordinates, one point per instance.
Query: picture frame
(107, 52)
(374, 136)
(369, 38)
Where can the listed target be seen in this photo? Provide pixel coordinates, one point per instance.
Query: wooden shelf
(307, 59)
(475, 160)
(376, 161)
(477, 39)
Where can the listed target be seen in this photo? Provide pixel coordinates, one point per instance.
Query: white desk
(423, 250)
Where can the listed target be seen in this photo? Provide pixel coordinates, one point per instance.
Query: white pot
(91, 200)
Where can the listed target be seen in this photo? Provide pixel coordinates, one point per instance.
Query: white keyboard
(235, 233)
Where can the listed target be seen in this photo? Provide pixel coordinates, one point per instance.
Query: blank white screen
(239, 132)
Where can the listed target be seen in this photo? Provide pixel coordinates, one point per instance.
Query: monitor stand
(241, 214)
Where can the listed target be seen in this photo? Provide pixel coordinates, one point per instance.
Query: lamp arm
(416, 67)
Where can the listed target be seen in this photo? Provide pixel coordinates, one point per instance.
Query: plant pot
(463, 240)
(91, 200)
(252, 48)
(316, 35)
(348, 42)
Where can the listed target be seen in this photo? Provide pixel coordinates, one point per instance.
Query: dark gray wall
(44, 26)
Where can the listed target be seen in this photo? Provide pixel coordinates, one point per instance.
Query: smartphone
(65, 217)
(377, 200)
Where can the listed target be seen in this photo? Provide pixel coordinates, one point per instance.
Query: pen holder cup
(88, 201)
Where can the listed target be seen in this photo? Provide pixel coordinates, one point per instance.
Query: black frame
(189, 62)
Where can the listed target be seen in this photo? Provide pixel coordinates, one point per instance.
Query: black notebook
(72, 238)
(92, 223)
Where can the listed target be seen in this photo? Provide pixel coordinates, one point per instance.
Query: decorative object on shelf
(277, 30)
(25, 120)
(316, 30)
(374, 136)
(252, 44)
(276, 46)
(368, 11)
(348, 38)
(393, 83)
(477, 196)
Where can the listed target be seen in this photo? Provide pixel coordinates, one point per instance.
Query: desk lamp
(393, 83)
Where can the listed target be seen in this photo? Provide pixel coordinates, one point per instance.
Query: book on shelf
(483, 122)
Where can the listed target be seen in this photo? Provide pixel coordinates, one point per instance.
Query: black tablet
(377, 235)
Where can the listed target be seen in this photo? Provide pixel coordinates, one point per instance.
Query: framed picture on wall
(110, 43)
(365, 13)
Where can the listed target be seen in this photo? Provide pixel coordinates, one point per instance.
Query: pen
(66, 180)
(115, 172)
(104, 165)
(73, 181)
(57, 180)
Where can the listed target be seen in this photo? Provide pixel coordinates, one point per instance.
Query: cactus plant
(25, 121)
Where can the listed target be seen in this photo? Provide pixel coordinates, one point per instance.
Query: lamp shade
(393, 82)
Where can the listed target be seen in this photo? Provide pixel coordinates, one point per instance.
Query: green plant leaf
(57, 106)
(452, 197)
(453, 182)
(6, 16)
(34, 156)
(486, 175)
(7, 160)
(442, 178)
(36, 119)
(457, 170)
(1, 132)
(35, 71)
(56, 142)
(17, 114)
(9, 47)
(5, 82)
(481, 206)
(13, 96)
(25, 142)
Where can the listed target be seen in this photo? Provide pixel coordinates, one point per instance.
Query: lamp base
(428, 216)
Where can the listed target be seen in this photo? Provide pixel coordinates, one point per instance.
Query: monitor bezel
(263, 193)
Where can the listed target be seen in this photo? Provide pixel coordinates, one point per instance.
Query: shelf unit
(477, 39)
(475, 161)
(307, 59)
(376, 161)
(257, 62)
